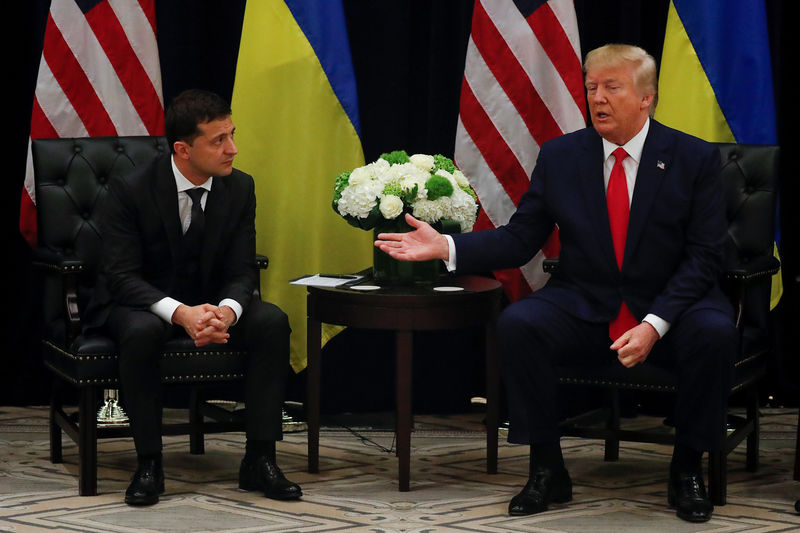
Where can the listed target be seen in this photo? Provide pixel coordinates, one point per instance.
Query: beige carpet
(356, 489)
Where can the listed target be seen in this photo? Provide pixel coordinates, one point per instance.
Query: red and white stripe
(99, 75)
(522, 85)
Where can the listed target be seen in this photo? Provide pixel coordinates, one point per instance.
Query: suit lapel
(594, 192)
(652, 169)
(166, 198)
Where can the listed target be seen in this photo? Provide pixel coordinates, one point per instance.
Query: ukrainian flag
(296, 114)
(716, 77)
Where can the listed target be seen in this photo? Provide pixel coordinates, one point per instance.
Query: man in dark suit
(179, 259)
(641, 223)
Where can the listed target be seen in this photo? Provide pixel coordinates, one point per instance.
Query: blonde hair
(645, 77)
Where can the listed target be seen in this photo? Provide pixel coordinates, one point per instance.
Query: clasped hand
(634, 345)
(205, 323)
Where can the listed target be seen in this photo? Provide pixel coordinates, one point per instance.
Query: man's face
(212, 151)
(618, 109)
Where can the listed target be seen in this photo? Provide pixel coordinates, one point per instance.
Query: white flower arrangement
(430, 187)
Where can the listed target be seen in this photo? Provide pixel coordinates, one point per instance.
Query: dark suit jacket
(142, 236)
(676, 231)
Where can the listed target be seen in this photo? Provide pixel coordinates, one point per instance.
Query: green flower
(394, 189)
(467, 189)
(397, 157)
(444, 163)
(341, 183)
(438, 186)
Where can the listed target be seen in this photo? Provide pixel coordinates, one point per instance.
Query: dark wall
(408, 58)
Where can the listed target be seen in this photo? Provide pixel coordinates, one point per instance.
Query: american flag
(99, 75)
(523, 85)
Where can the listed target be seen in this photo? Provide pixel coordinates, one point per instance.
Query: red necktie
(618, 211)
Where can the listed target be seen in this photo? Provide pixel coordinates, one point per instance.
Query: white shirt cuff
(165, 308)
(451, 256)
(659, 324)
(235, 307)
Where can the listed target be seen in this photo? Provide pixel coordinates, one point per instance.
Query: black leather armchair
(71, 183)
(750, 178)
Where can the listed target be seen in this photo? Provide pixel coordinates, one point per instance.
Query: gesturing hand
(421, 244)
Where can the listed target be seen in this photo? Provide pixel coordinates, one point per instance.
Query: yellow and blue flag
(295, 109)
(716, 77)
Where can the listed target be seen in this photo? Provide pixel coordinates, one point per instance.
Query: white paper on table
(318, 280)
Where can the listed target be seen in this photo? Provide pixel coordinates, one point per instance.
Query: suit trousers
(536, 336)
(262, 330)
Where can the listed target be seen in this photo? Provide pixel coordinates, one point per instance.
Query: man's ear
(181, 149)
(647, 100)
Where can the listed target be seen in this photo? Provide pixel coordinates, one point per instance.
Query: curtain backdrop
(408, 57)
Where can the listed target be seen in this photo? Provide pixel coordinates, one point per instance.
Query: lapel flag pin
(661, 165)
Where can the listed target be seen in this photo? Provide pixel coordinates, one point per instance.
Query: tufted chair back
(72, 177)
(750, 178)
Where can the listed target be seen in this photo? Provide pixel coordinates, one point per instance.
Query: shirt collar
(183, 183)
(633, 147)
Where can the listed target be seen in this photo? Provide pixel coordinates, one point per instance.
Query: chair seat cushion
(92, 360)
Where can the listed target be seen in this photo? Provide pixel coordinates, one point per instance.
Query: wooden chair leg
(753, 438)
(718, 477)
(612, 423)
(797, 451)
(492, 399)
(196, 435)
(56, 454)
(87, 442)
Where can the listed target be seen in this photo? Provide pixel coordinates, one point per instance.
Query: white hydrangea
(391, 206)
(463, 209)
(431, 210)
(358, 199)
(370, 172)
(423, 161)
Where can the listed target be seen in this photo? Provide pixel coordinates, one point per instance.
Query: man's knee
(712, 337)
(263, 316)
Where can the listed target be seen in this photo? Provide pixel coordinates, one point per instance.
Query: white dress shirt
(166, 307)
(634, 149)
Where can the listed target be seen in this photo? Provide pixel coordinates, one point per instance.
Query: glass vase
(390, 271)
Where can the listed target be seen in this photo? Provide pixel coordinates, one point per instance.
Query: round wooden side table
(452, 303)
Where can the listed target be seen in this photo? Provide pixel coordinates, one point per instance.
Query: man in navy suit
(641, 222)
(178, 260)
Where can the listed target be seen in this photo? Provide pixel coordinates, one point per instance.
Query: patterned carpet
(356, 489)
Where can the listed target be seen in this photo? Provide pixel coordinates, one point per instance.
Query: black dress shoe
(687, 494)
(264, 474)
(147, 483)
(544, 487)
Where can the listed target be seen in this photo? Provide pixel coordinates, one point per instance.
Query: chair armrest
(64, 271)
(54, 262)
(754, 270)
(550, 265)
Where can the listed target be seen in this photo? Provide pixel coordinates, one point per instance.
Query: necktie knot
(619, 155)
(195, 194)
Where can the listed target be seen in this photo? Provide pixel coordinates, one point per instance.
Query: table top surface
(447, 286)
